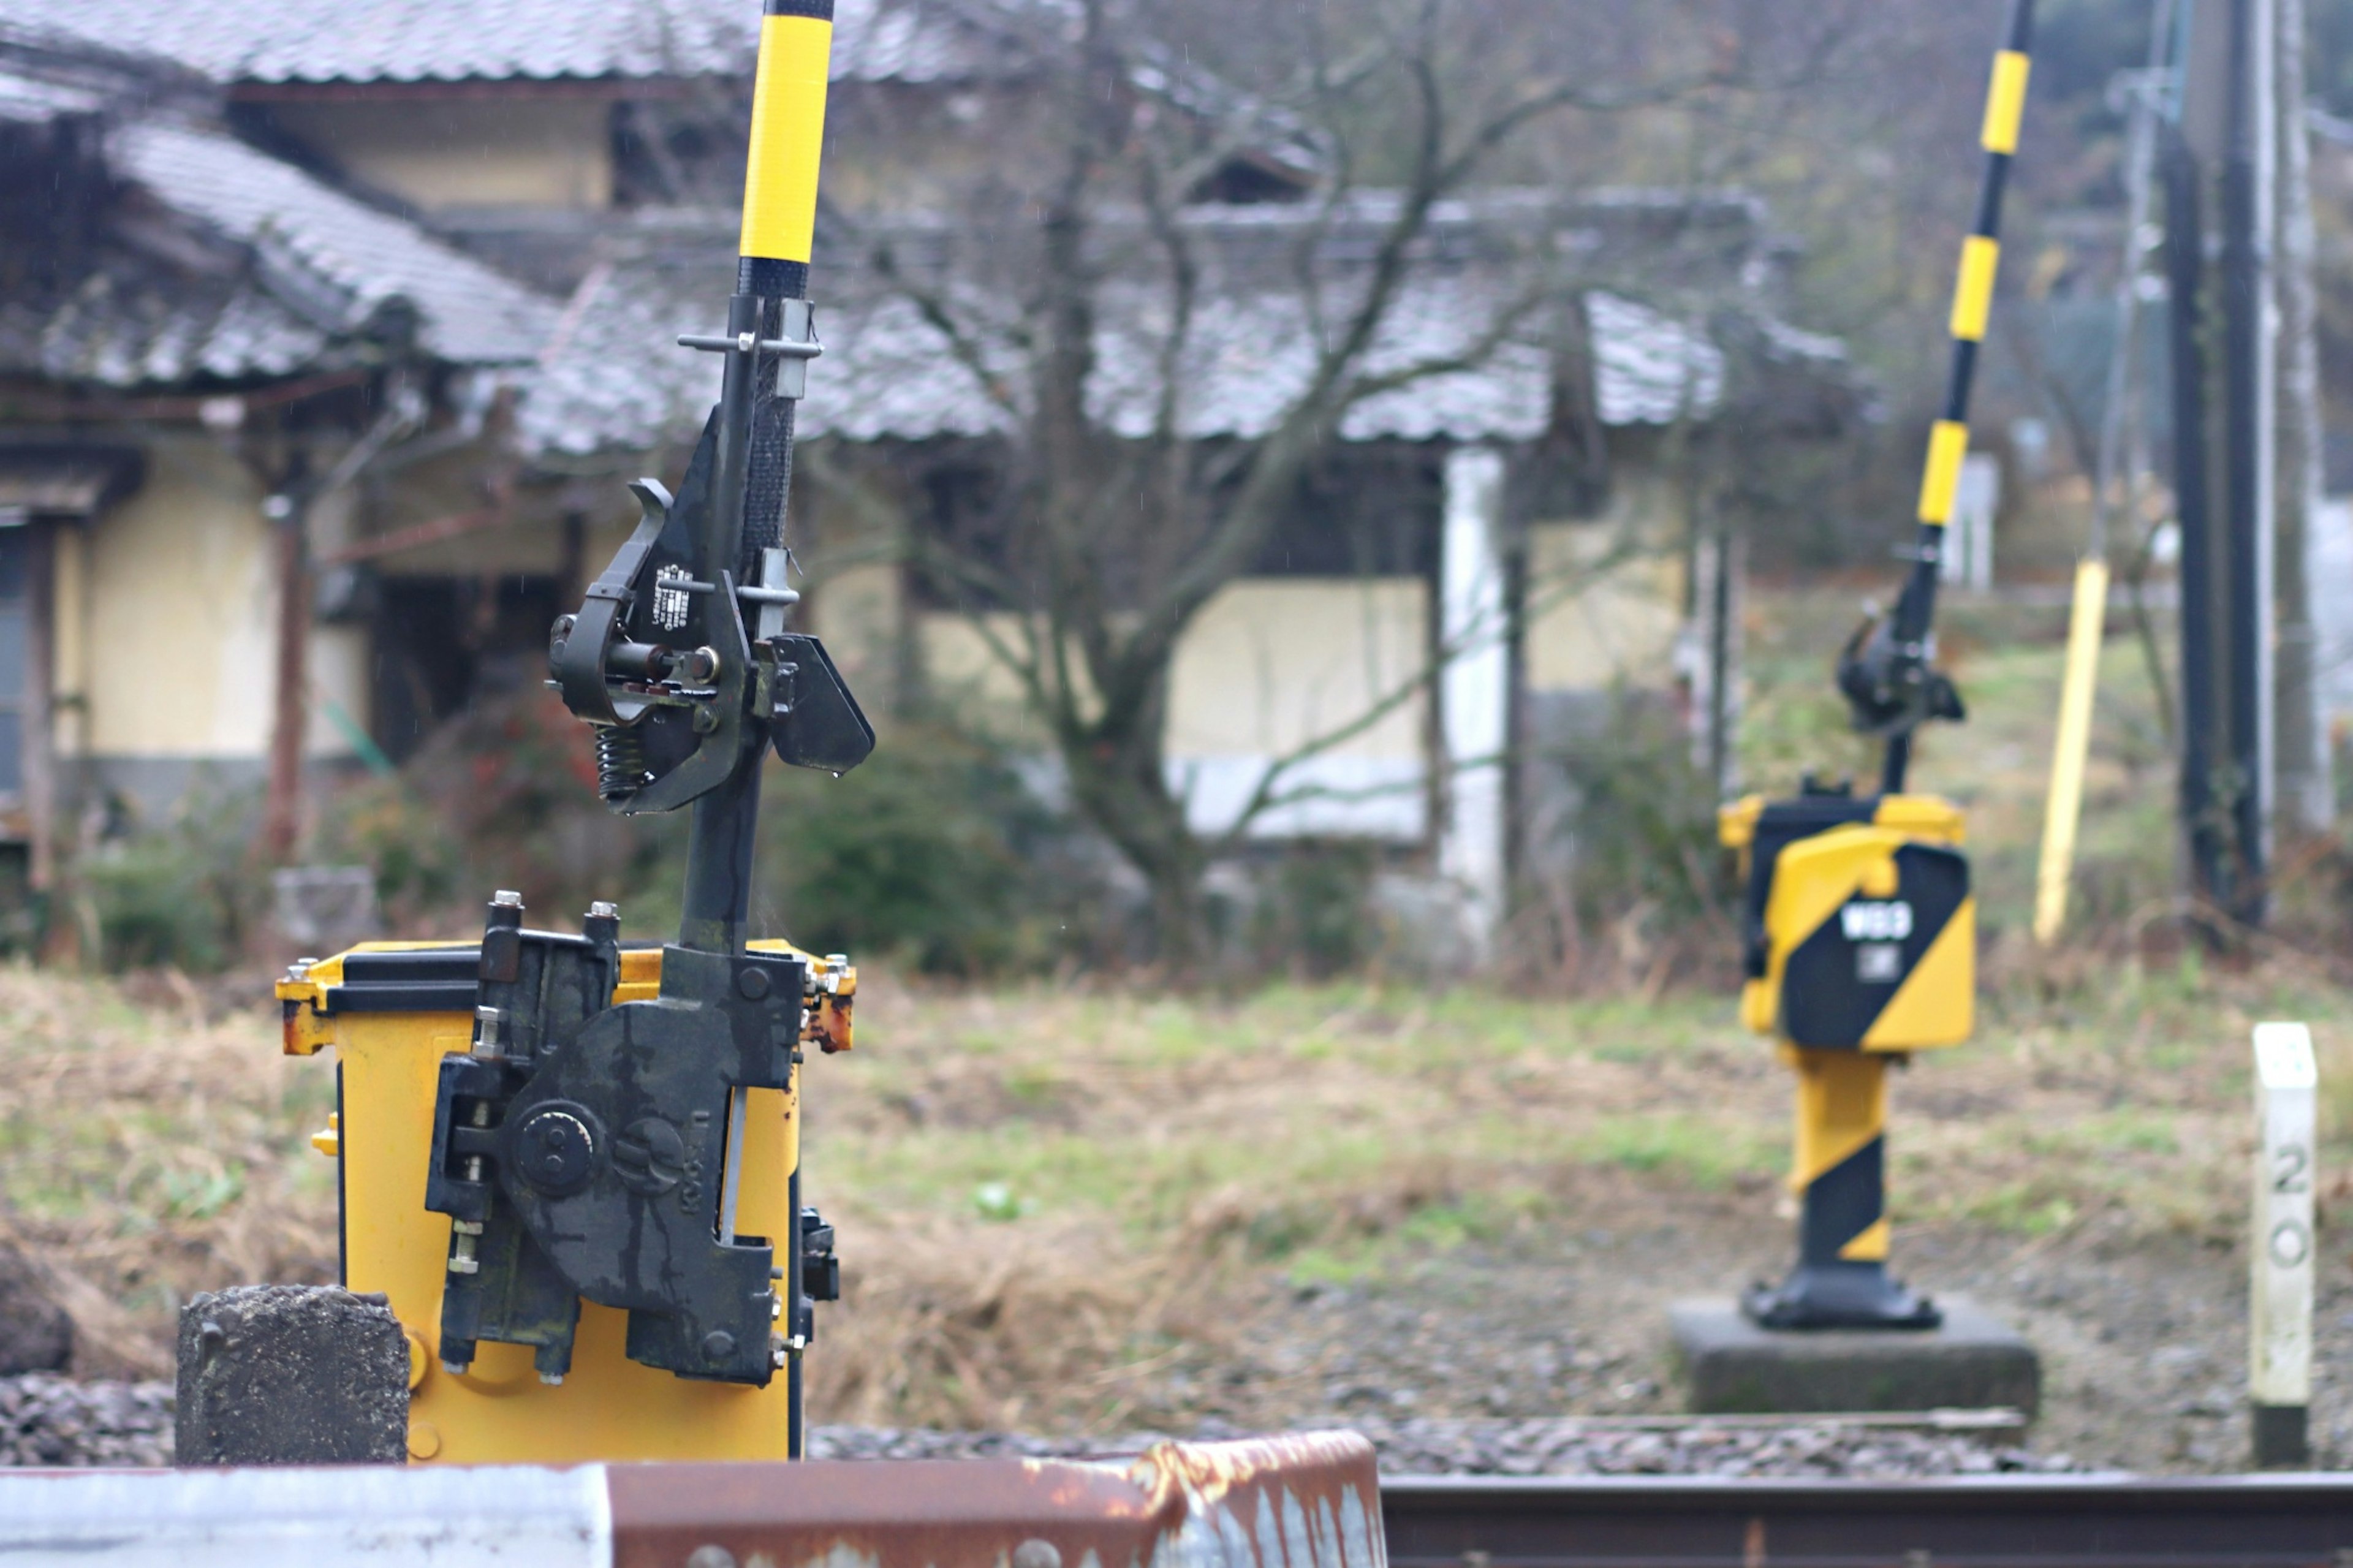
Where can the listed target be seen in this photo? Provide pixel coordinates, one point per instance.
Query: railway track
(2012, 1521)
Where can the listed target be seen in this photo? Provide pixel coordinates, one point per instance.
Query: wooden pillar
(281, 817)
(37, 713)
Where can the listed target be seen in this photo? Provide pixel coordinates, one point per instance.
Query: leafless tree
(1076, 284)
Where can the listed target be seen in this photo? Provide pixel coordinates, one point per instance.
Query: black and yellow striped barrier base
(1840, 1172)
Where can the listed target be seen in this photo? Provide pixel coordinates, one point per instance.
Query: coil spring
(620, 763)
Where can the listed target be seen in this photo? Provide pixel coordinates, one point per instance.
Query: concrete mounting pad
(1973, 1360)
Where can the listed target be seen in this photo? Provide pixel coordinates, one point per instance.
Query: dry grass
(1075, 1210)
(151, 1152)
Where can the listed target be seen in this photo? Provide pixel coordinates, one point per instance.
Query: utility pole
(2251, 442)
(2228, 507)
(2185, 274)
(2306, 791)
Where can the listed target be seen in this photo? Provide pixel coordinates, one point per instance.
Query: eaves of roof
(612, 382)
(418, 41)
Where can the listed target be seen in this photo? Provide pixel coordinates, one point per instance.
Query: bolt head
(752, 983)
(718, 1345)
(556, 1149)
(506, 899)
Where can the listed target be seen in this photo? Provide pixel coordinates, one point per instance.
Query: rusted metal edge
(2109, 1520)
(1305, 1502)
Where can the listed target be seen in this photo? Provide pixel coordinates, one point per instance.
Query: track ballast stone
(1538, 1447)
(47, 1420)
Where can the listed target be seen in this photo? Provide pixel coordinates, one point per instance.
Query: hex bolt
(601, 911)
(461, 1254)
(1036, 1552)
(506, 899)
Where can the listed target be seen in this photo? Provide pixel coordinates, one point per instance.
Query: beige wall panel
(537, 152)
(1601, 609)
(339, 674)
(1274, 663)
(960, 669)
(180, 612)
(69, 640)
(857, 611)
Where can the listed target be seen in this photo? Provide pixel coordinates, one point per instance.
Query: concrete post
(1475, 689)
(2279, 1298)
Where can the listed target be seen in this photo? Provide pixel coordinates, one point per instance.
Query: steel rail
(1980, 1521)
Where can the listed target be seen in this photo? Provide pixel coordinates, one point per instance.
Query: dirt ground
(2142, 1342)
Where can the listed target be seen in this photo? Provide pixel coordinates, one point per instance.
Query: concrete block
(1973, 1361)
(291, 1374)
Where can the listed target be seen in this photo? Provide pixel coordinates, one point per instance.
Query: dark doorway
(444, 644)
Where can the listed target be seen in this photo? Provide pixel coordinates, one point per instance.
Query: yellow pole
(2065, 807)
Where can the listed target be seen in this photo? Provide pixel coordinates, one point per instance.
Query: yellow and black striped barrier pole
(751, 470)
(768, 327)
(1863, 932)
(1948, 438)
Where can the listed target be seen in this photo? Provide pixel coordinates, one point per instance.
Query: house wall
(164, 640)
(1273, 664)
(1606, 597)
(857, 612)
(459, 152)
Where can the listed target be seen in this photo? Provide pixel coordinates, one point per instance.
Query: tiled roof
(25, 100)
(347, 260)
(217, 261)
(125, 327)
(613, 381)
(280, 41)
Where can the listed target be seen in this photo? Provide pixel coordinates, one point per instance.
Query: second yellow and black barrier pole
(1860, 925)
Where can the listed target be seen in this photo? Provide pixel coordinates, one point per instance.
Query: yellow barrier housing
(388, 1042)
(1862, 933)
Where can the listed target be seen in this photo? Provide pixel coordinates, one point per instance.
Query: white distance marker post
(2279, 1337)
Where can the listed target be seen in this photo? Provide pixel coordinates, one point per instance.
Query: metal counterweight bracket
(661, 663)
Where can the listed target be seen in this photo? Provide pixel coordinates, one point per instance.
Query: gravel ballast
(47, 1420)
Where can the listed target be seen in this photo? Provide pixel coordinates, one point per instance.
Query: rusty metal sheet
(1309, 1500)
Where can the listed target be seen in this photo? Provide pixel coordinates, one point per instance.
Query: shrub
(183, 894)
(1627, 842)
(1315, 909)
(924, 853)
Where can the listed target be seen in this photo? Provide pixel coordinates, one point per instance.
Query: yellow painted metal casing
(1863, 931)
(1841, 1109)
(608, 1407)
